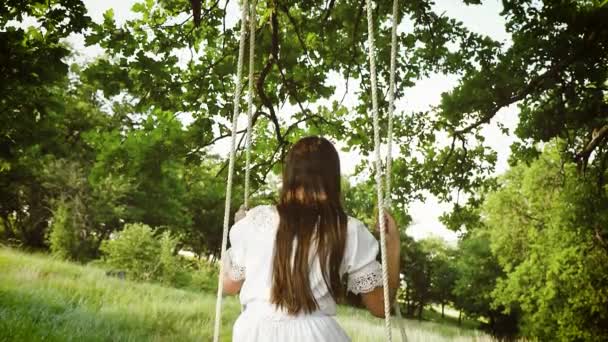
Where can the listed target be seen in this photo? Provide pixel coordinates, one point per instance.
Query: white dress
(250, 259)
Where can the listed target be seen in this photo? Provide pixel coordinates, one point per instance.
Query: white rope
(389, 153)
(235, 115)
(252, 24)
(378, 168)
(391, 103)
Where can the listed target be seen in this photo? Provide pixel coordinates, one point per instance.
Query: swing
(249, 9)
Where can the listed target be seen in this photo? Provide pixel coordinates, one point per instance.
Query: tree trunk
(442, 309)
(460, 317)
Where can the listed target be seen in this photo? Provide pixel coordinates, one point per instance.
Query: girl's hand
(392, 230)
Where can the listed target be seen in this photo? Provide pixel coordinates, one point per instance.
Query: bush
(143, 256)
(172, 270)
(134, 250)
(204, 276)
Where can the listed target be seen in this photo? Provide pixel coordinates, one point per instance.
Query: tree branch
(537, 83)
(451, 152)
(599, 237)
(254, 119)
(297, 31)
(272, 59)
(597, 137)
(354, 51)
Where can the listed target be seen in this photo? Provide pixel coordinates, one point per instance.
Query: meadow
(42, 298)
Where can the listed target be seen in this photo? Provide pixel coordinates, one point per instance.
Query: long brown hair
(311, 217)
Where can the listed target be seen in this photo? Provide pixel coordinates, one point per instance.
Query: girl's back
(250, 260)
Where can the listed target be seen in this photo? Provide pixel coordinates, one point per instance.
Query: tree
(477, 272)
(40, 114)
(551, 204)
(428, 274)
(416, 277)
(540, 225)
(64, 237)
(555, 71)
(443, 277)
(205, 193)
(70, 235)
(439, 272)
(84, 214)
(153, 156)
(299, 46)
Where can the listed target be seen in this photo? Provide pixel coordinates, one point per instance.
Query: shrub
(171, 267)
(134, 250)
(204, 276)
(143, 256)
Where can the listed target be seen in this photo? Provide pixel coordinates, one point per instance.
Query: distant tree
(416, 268)
(204, 199)
(34, 108)
(477, 272)
(83, 214)
(443, 276)
(541, 225)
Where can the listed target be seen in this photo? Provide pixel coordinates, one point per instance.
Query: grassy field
(50, 300)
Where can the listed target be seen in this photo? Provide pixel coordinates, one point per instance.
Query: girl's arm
(232, 287)
(374, 300)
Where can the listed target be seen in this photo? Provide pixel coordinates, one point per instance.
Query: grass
(362, 327)
(46, 299)
(433, 314)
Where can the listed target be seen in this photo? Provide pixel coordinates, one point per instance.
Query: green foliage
(36, 108)
(360, 202)
(171, 269)
(141, 61)
(135, 250)
(543, 225)
(439, 271)
(143, 256)
(168, 185)
(443, 276)
(477, 272)
(61, 236)
(154, 156)
(204, 276)
(204, 200)
(67, 236)
(92, 211)
(429, 274)
(105, 147)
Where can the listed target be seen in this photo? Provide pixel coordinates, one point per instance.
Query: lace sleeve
(366, 279)
(235, 271)
(363, 272)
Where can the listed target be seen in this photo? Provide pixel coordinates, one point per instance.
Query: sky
(483, 19)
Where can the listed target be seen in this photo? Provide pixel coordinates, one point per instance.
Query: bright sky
(484, 19)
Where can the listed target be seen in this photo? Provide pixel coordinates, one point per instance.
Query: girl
(288, 261)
